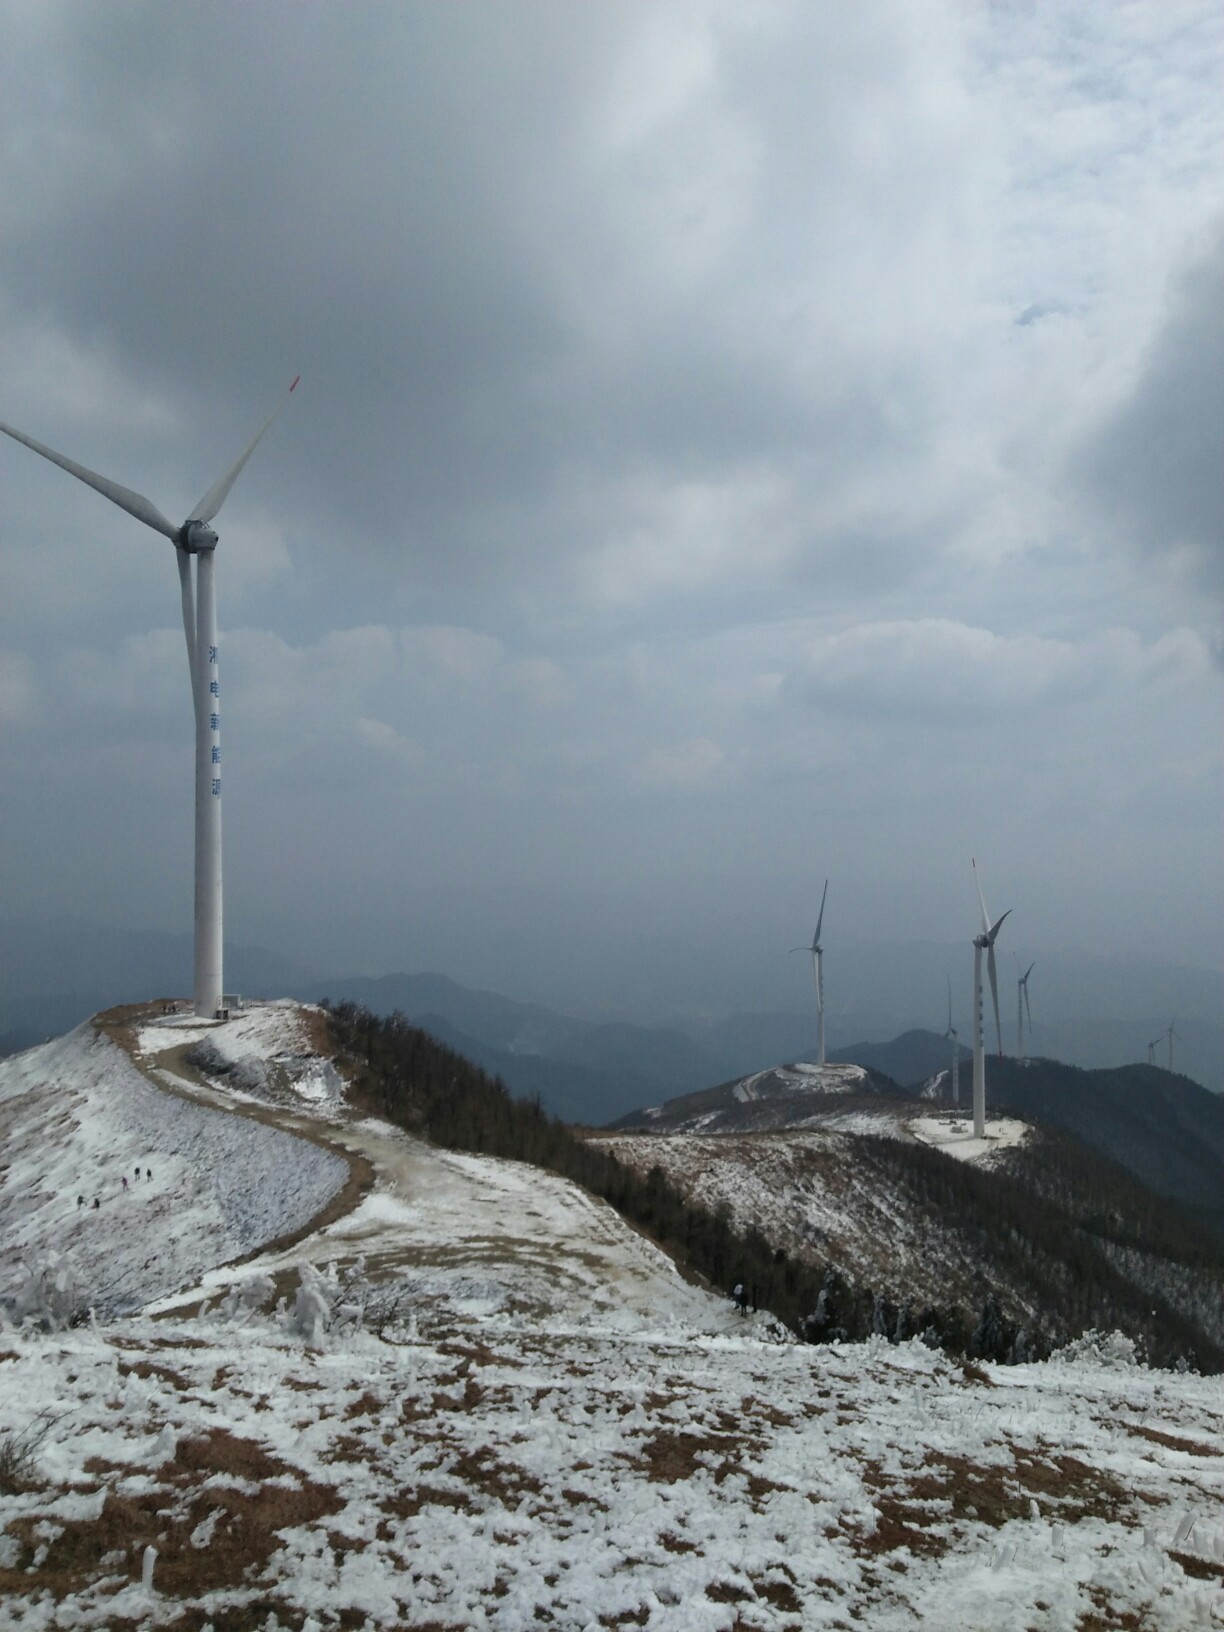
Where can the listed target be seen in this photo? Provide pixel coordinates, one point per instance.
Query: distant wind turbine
(1152, 1050)
(984, 942)
(951, 1033)
(817, 952)
(194, 539)
(1023, 1008)
(1171, 1034)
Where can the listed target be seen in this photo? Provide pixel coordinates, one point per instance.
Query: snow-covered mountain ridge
(514, 1412)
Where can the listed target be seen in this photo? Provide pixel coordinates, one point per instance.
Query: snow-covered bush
(245, 1298)
(49, 1295)
(1112, 1349)
(312, 1306)
(249, 1075)
(329, 1300)
(19, 1455)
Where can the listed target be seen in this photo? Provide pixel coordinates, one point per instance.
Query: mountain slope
(1165, 1129)
(490, 1404)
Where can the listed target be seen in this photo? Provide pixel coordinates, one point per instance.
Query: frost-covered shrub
(249, 1075)
(244, 1298)
(19, 1455)
(49, 1295)
(1112, 1349)
(312, 1306)
(329, 1300)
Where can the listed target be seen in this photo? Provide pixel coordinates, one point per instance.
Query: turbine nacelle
(196, 536)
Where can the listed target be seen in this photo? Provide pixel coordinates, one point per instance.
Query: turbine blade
(134, 503)
(994, 990)
(189, 617)
(219, 492)
(981, 901)
(992, 930)
(1028, 1009)
(820, 918)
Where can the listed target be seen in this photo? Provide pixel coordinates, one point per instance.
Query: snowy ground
(502, 1477)
(954, 1136)
(78, 1119)
(541, 1423)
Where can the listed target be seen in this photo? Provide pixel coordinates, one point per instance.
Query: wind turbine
(951, 1034)
(1170, 1034)
(194, 539)
(983, 943)
(1022, 1007)
(817, 952)
(1152, 1050)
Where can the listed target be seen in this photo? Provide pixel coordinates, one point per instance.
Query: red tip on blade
(296, 378)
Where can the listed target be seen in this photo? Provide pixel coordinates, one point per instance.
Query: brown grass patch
(406, 1504)
(149, 1368)
(244, 1527)
(481, 1470)
(947, 1487)
(344, 1448)
(750, 1406)
(974, 1374)
(1202, 1569)
(676, 1544)
(1172, 1442)
(781, 1594)
(759, 1487)
(1105, 1618)
(473, 1350)
(671, 1456)
(726, 1592)
(367, 1405)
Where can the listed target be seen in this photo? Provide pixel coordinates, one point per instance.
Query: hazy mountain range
(1088, 1011)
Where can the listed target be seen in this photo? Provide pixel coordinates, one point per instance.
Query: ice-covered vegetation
(473, 1396)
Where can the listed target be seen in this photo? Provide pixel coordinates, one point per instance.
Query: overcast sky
(737, 444)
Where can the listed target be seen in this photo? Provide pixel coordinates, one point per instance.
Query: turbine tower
(1171, 1034)
(951, 1034)
(1022, 1007)
(1152, 1050)
(983, 943)
(194, 541)
(817, 952)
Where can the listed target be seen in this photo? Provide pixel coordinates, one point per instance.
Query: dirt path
(470, 1234)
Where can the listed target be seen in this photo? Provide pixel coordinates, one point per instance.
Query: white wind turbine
(1023, 1008)
(817, 952)
(983, 943)
(1171, 1034)
(951, 1034)
(1152, 1050)
(194, 539)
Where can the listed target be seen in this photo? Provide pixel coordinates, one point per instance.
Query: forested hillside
(1165, 1129)
(1050, 1236)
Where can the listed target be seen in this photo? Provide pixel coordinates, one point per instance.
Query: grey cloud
(1156, 465)
(671, 497)
(416, 206)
